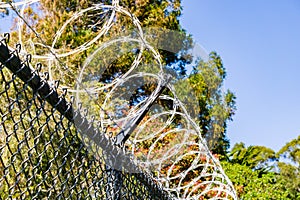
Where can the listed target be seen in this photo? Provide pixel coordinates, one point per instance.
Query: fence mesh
(42, 154)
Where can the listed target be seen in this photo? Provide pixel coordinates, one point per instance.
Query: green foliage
(291, 151)
(250, 184)
(290, 169)
(249, 170)
(289, 175)
(215, 107)
(255, 157)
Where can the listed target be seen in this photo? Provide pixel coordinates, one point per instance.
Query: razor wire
(203, 178)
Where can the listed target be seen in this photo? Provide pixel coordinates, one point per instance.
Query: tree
(255, 157)
(215, 108)
(289, 167)
(250, 184)
(289, 176)
(291, 151)
(257, 172)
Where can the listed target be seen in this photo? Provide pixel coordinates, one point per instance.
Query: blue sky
(259, 42)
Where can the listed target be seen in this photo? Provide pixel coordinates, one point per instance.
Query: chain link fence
(42, 152)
